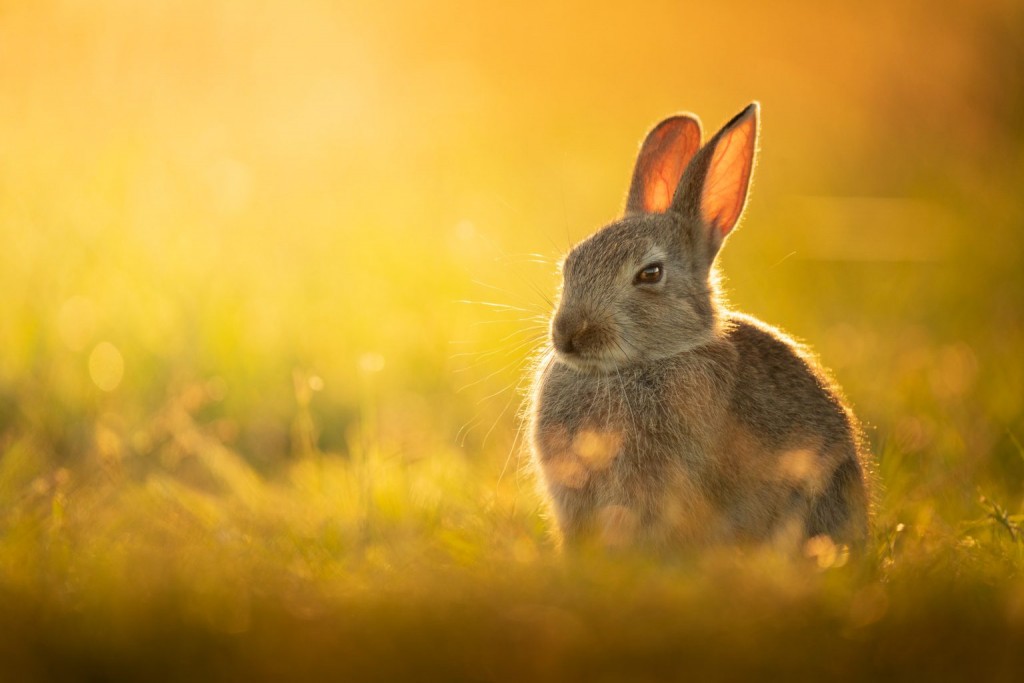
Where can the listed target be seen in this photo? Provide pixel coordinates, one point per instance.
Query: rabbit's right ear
(664, 156)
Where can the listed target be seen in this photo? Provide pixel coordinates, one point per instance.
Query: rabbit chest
(628, 453)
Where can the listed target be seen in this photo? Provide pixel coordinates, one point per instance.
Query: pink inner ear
(665, 155)
(656, 195)
(725, 187)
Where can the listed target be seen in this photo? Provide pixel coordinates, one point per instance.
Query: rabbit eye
(649, 274)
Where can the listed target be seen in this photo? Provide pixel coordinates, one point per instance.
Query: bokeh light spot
(106, 366)
(597, 449)
(801, 466)
(465, 230)
(567, 471)
(370, 363)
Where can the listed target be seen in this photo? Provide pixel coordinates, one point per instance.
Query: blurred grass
(249, 429)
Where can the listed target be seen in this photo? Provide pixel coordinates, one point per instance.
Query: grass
(272, 277)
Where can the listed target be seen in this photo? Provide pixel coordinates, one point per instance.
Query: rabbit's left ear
(663, 158)
(714, 188)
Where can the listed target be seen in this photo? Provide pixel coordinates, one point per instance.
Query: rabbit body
(662, 419)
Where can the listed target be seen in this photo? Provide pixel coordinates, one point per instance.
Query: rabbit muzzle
(584, 342)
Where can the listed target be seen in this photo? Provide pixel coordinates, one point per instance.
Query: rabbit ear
(714, 188)
(666, 152)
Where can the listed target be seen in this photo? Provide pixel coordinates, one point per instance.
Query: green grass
(375, 568)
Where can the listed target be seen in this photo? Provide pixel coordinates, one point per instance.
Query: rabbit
(660, 419)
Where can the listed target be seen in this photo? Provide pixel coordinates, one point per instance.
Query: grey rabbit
(661, 419)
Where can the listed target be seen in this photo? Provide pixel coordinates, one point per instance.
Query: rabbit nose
(567, 332)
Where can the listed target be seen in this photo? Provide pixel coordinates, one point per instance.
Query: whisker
(534, 332)
(492, 304)
(502, 352)
(465, 428)
(500, 415)
(536, 319)
(503, 291)
(512, 335)
(518, 442)
(500, 370)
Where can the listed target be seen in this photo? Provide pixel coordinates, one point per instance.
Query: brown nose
(569, 332)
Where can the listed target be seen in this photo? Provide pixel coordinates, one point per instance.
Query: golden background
(271, 274)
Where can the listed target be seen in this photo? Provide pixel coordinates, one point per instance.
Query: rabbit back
(790, 436)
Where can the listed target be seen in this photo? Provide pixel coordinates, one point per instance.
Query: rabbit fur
(661, 419)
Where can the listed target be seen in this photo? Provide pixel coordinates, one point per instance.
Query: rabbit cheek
(669, 330)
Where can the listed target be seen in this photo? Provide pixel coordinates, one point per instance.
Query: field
(272, 275)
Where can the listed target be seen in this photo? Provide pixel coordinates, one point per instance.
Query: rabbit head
(641, 288)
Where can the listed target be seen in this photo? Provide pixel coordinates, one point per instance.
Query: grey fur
(664, 420)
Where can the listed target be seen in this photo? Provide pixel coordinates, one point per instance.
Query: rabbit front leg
(585, 523)
(588, 503)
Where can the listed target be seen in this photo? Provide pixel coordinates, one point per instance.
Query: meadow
(272, 276)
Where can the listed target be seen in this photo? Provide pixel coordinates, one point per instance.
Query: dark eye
(649, 274)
